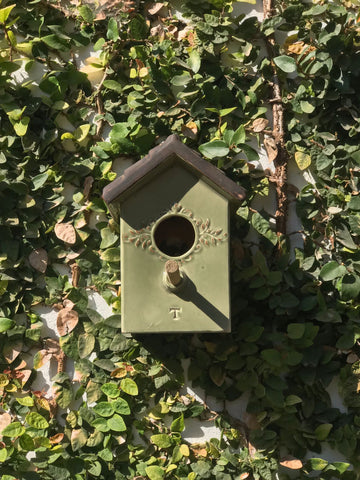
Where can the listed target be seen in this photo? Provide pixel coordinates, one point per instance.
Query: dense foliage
(206, 75)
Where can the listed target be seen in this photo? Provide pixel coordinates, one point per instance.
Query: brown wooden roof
(171, 148)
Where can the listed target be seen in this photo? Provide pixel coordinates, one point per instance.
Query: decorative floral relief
(206, 234)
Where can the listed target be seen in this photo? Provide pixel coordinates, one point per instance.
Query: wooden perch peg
(173, 272)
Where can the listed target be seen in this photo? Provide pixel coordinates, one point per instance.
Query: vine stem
(279, 177)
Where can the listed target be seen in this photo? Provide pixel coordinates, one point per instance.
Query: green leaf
(181, 80)
(111, 255)
(112, 30)
(6, 324)
(128, 386)
(216, 148)
(292, 400)
(262, 226)
(78, 439)
(303, 160)
(117, 423)
(341, 467)
(296, 330)
(121, 406)
(36, 420)
(39, 180)
(86, 13)
(5, 12)
(154, 472)
(272, 357)
(26, 401)
(350, 287)
(332, 270)
(194, 61)
(322, 431)
(111, 390)
(3, 454)
(285, 63)
(306, 106)
(119, 131)
(104, 409)
(55, 42)
(161, 440)
(26, 442)
(15, 429)
(86, 344)
(317, 463)
(113, 85)
(178, 424)
(239, 135)
(21, 126)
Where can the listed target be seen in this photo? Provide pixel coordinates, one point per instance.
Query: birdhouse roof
(161, 157)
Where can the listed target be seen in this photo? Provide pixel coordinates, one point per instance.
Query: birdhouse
(173, 207)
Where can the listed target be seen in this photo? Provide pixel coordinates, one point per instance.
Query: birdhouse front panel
(175, 219)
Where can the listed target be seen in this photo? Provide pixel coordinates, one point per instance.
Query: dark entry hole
(174, 236)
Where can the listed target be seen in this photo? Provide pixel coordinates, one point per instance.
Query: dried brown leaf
(271, 148)
(38, 259)
(66, 321)
(259, 124)
(292, 463)
(155, 8)
(5, 420)
(88, 182)
(24, 376)
(52, 345)
(12, 350)
(56, 438)
(65, 232)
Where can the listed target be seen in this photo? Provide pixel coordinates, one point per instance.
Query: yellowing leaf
(303, 160)
(5, 12)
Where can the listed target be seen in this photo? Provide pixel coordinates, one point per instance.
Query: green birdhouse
(173, 207)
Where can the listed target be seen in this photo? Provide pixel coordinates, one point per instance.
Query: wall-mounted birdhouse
(173, 208)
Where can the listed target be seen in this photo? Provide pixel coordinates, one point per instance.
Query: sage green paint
(202, 304)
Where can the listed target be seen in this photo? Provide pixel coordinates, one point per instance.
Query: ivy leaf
(55, 42)
(5, 12)
(317, 463)
(6, 324)
(216, 148)
(272, 357)
(178, 424)
(66, 321)
(121, 406)
(296, 330)
(161, 440)
(194, 61)
(78, 439)
(154, 472)
(15, 429)
(116, 423)
(332, 270)
(322, 431)
(111, 390)
(21, 126)
(285, 63)
(86, 13)
(104, 409)
(36, 420)
(128, 386)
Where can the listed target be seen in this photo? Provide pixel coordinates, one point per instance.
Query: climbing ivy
(207, 72)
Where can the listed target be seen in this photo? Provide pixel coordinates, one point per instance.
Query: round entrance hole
(174, 236)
